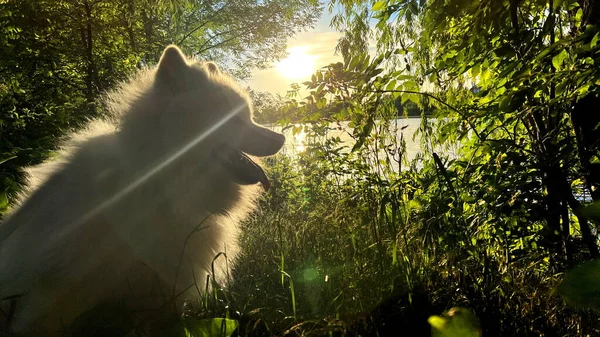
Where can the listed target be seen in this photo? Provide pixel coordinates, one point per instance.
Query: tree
(241, 34)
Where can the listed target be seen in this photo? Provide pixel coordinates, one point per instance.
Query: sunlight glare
(299, 140)
(298, 64)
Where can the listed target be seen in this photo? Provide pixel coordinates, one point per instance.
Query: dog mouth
(245, 171)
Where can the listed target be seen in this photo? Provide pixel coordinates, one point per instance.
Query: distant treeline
(412, 109)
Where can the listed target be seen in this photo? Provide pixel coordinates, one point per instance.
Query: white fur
(109, 219)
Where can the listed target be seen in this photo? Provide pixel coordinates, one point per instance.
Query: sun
(298, 64)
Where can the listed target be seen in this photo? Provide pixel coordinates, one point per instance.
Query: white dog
(136, 208)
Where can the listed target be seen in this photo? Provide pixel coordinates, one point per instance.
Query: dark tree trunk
(129, 19)
(591, 14)
(553, 216)
(585, 117)
(566, 232)
(88, 44)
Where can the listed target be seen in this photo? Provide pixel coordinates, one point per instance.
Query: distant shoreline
(377, 119)
(403, 117)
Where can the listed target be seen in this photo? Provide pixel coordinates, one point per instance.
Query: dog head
(208, 108)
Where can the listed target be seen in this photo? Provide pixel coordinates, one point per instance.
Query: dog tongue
(246, 170)
(264, 181)
(255, 170)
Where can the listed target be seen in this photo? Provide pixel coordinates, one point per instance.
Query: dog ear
(172, 65)
(212, 67)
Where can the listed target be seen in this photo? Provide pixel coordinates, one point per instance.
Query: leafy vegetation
(511, 88)
(355, 239)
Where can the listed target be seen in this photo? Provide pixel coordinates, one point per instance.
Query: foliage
(580, 286)
(458, 322)
(489, 213)
(215, 327)
(269, 107)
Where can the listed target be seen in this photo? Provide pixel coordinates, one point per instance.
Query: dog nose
(279, 139)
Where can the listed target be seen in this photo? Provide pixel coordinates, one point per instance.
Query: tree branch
(438, 100)
(204, 47)
(215, 15)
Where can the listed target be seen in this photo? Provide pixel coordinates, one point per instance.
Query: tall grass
(337, 247)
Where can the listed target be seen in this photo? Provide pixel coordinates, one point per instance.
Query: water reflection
(404, 128)
(298, 141)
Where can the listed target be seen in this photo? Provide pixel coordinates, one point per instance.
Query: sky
(316, 46)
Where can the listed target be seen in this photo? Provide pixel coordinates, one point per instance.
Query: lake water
(403, 127)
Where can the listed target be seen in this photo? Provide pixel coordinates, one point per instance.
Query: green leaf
(215, 327)
(557, 4)
(4, 160)
(378, 6)
(595, 40)
(405, 77)
(557, 60)
(581, 286)
(321, 87)
(505, 50)
(476, 69)
(504, 104)
(391, 85)
(409, 97)
(321, 102)
(592, 211)
(353, 62)
(457, 322)
(410, 85)
(543, 53)
(578, 15)
(523, 72)
(3, 201)
(366, 130)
